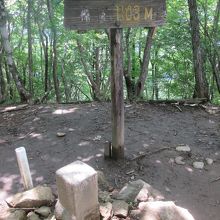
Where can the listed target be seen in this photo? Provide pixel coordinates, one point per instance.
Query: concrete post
(77, 186)
(24, 167)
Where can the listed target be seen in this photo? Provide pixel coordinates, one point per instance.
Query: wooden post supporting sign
(117, 93)
(114, 15)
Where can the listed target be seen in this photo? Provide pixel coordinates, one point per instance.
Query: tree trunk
(146, 59)
(66, 90)
(215, 61)
(201, 85)
(2, 80)
(25, 96)
(9, 80)
(130, 84)
(45, 44)
(95, 89)
(54, 49)
(30, 53)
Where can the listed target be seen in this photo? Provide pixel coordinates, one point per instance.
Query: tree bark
(146, 59)
(129, 82)
(46, 60)
(2, 80)
(201, 85)
(215, 61)
(54, 49)
(30, 53)
(95, 89)
(66, 91)
(117, 94)
(135, 89)
(25, 96)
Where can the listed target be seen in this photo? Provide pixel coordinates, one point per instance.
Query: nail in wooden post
(117, 94)
(24, 167)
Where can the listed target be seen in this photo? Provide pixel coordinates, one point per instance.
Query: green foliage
(171, 66)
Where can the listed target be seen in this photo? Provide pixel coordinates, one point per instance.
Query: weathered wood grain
(117, 94)
(95, 14)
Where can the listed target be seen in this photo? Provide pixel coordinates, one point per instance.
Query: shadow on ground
(148, 129)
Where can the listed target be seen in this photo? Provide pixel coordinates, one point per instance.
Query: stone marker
(78, 191)
(24, 167)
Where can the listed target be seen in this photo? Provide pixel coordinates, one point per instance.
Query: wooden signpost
(94, 14)
(114, 15)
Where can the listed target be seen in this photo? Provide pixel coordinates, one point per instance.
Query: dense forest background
(43, 62)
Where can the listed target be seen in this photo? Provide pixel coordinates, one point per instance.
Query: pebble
(97, 138)
(61, 134)
(179, 160)
(183, 148)
(209, 161)
(198, 165)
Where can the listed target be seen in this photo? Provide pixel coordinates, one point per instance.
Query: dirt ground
(148, 128)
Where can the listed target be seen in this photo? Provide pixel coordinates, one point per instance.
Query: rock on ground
(179, 160)
(16, 215)
(198, 165)
(104, 197)
(36, 197)
(33, 216)
(120, 208)
(139, 191)
(130, 191)
(209, 161)
(106, 210)
(183, 148)
(43, 211)
(163, 211)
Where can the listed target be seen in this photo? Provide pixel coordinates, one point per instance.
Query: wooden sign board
(95, 14)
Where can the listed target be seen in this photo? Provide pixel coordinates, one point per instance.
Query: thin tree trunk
(45, 44)
(146, 59)
(129, 82)
(216, 19)
(8, 80)
(92, 83)
(30, 53)
(54, 49)
(2, 80)
(215, 61)
(201, 85)
(25, 96)
(66, 91)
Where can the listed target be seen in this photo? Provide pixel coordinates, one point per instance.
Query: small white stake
(24, 167)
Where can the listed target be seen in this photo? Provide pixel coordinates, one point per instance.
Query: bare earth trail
(148, 129)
